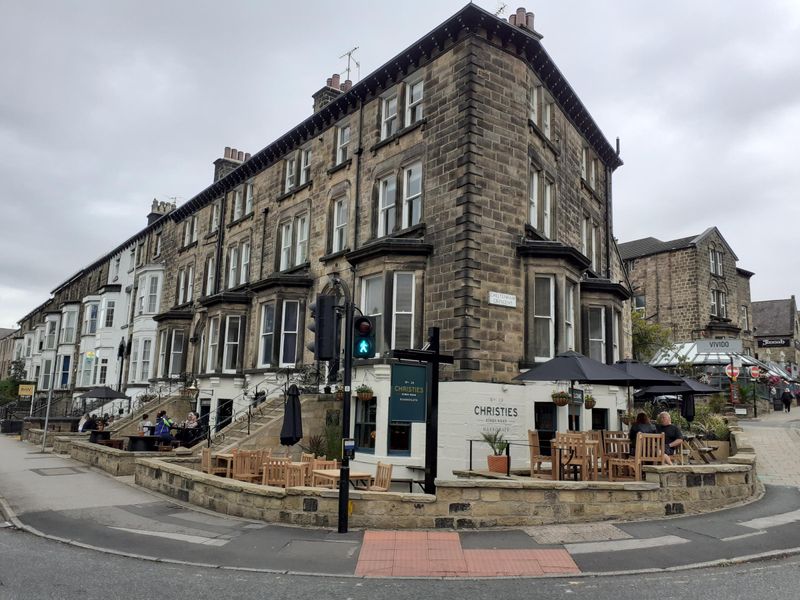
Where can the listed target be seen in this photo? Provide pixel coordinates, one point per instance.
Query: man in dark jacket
(786, 398)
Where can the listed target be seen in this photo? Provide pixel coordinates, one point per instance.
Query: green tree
(648, 338)
(9, 386)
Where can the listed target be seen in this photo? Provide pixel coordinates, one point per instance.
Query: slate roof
(650, 245)
(773, 317)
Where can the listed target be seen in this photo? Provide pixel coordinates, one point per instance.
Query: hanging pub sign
(409, 393)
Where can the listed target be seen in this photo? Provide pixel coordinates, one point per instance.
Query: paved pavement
(64, 499)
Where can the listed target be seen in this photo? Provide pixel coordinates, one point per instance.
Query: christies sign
(409, 393)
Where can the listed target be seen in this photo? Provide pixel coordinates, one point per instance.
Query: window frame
(387, 213)
(176, 350)
(213, 343)
(414, 110)
(285, 255)
(601, 340)
(162, 353)
(396, 312)
(244, 262)
(389, 120)
(343, 134)
(68, 327)
(213, 225)
(378, 317)
(289, 173)
(301, 230)
(266, 339)
(108, 314)
(409, 201)
(339, 229)
(233, 266)
(570, 315)
(230, 350)
(211, 267)
(287, 332)
(549, 318)
(249, 198)
(305, 165)
(147, 348)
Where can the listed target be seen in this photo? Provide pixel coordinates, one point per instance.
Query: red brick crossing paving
(439, 554)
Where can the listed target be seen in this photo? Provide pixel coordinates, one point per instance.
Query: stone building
(776, 328)
(691, 285)
(462, 185)
(7, 337)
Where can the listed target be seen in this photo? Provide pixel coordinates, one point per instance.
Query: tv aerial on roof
(351, 59)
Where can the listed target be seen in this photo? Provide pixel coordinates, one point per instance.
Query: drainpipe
(220, 243)
(359, 152)
(608, 219)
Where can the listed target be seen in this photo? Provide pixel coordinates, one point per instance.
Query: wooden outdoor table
(143, 443)
(226, 459)
(333, 476)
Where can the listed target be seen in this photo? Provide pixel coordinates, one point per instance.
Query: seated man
(673, 437)
(163, 425)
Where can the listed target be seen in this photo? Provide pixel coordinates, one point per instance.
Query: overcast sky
(107, 104)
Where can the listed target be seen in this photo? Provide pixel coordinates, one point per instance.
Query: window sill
(241, 219)
(296, 268)
(294, 191)
(532, 233)
(370, 451)
(545, 140)
(340, 166)
(414, 231)
(334, 255)
(187, 247)
(592, 192)
(212, 234)
(397, 135)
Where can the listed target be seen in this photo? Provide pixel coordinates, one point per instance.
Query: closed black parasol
(292, 429)
(104, 393)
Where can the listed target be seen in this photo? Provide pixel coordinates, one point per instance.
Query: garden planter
(560, 399)
(498, 464)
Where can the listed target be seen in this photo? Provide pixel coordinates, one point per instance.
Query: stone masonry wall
(464, 504)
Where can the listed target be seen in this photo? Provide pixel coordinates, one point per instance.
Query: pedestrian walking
(786, 398)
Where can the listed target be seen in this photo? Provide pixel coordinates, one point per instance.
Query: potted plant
(498, 461)
(560, 398)
(628, 418)
(589, 402)
(364, 392)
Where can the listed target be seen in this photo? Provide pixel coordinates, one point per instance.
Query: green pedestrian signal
(363, 338)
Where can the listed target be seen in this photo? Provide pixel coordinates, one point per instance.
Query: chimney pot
(329, 82)
(240, 156)
(335, 81)
(347, 85)
(247, 156)
(529, 21)
(512, 19)
(227, 151)
(521, 16)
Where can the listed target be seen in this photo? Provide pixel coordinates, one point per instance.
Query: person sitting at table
(673, 436)
(145, 425)
(90, 424)
(163, 424)
(191, 421)
(82, 422)
(642, 425)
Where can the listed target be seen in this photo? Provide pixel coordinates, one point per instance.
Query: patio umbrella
(643, 374)
(686, 385)
(292, 429)
(104, 393)
(575, 368)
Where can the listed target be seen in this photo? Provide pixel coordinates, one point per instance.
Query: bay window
(68, 327)
(147, 346)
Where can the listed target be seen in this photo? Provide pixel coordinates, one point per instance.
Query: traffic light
(323, 324)
(363, 337)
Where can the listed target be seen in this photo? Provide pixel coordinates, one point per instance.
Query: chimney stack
(333, 89)
(523, 20)
(158, 210)
(231, 158)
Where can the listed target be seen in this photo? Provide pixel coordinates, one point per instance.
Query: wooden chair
(537, 458)
(295, 476)
(274, 471)
(382, 481)
(247, 466)
(308, 462)
(649, 450)
(616, 444)
(596, 435)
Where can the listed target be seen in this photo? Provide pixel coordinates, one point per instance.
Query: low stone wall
(34, 436)
(465, 503)
(63, 441)
(110, 460)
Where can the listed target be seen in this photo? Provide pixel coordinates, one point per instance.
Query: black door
(545, 419)
(224, 413)
(599, 418)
